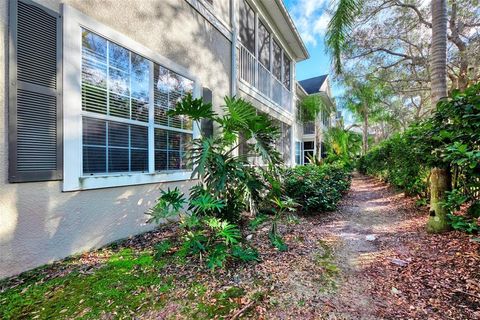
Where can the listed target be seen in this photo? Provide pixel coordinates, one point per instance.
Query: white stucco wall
(38, 222)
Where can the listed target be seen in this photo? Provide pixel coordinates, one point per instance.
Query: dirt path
(329, 281)
(372, 259)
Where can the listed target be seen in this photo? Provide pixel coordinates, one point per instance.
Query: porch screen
(246, 21)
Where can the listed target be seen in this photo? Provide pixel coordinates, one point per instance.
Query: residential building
(311, 141)
(87, 145)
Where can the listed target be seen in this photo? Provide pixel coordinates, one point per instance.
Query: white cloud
(321, 24)
(311, 18)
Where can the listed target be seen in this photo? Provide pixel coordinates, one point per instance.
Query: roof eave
(286, 15)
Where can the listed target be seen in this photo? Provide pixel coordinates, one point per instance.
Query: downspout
(233, 18)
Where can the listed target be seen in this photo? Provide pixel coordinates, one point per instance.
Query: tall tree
(440, 178)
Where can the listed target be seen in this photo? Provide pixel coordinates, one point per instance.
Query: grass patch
(330, 270)
(220, 304)
(127, 282)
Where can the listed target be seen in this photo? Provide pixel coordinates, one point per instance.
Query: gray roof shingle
(314, 84)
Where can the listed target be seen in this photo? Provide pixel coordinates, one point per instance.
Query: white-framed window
(308, 150)
(298, 153)
(117, 93)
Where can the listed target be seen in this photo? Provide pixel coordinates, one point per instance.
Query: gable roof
(314, 84)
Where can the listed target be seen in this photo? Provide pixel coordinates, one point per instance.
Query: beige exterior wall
(38, 222)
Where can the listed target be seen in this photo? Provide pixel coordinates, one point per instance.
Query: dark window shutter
(206, 124)
(35, 129)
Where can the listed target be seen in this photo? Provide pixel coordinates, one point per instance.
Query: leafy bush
(227, 185)
(464, 224)
(317, 188)
(450, 140)
(398, 162)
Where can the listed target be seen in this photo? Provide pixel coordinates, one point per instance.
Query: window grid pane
(110, 146)
(170, 150)
(116, 83)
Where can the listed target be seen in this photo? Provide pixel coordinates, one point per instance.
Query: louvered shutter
(35, 131)
(206, 125)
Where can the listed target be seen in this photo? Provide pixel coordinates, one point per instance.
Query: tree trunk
(440, 179)
(439, 51)
(365, 134)
(440, 182)
(318, 139)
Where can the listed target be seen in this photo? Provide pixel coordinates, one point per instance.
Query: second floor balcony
(254, 73)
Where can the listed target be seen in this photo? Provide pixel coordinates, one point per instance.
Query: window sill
(127, 179)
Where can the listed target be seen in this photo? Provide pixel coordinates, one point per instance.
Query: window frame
(74, 179)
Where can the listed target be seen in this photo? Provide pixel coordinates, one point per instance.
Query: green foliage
(281, 206)
(397, 161)
(227, 184)
(277, 242)
(257, 221)
(339, 28)
(454, 200)
(474, 210)
(311, 106)
(450, 139)
(218, 240)
(162, 248)
(342, 145)
(196, 109)
(168, 205)
(223, 175)
(245, 254)
(205, 204)
(317, 188)
(463, 224)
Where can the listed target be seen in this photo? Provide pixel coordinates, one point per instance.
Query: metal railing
(255, 74)
(309, 127)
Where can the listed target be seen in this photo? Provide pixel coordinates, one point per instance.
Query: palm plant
(342, 144)
(339, 27)
(222, 172)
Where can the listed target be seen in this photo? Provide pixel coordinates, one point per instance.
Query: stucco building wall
(38, 222)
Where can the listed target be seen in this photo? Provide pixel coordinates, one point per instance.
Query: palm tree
(363, 100)
(440, 178)
(336, 36)
(338, 29)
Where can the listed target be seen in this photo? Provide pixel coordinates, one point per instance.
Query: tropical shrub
(226, 186)
(203, 235)
(450, 140)
(221, 173)
(317, 188)
(397, 161)
(342, 146)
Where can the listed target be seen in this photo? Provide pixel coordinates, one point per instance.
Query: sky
(311, 19)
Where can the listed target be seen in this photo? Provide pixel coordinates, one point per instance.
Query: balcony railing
(309, 127)
(255, 74)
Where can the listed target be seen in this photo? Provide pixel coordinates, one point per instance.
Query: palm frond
(338, 29)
